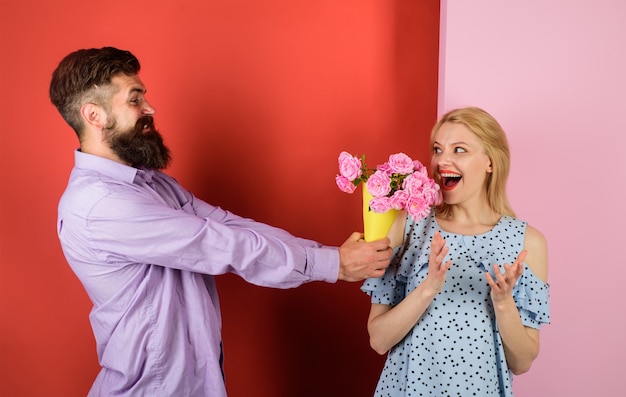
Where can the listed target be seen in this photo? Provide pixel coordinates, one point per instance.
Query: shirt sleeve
(127, 226)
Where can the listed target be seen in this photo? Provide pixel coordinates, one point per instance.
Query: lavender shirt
(146, 250)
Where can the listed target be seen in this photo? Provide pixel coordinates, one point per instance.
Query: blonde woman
(459, 311)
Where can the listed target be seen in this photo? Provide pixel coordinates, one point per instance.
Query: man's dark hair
(80, 77)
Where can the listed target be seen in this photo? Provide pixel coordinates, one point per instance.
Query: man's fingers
(356, 236)
(384, 255)
(381, 244)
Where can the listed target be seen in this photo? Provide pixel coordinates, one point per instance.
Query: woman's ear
(93, 115)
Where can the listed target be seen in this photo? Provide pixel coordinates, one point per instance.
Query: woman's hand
(388, 325)
(502, 285)
(436, 268)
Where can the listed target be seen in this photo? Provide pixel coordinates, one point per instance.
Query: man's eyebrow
(137, 89)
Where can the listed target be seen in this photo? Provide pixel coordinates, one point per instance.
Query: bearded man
(146, 250)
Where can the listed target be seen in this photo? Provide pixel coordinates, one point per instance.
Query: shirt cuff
(322, 264)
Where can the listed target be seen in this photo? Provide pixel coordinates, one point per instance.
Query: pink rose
(380, 204)
(431, 193)
(413, 183)
(419, 167)
(379, 184)
(417, 207)
(349, 166)
(385, 167)
(344, 184)
(400, 163)
(399, 199)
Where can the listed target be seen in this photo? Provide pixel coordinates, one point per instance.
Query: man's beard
(138, 148)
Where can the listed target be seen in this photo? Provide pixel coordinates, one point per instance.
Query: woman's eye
(459, 150)
(437, 150)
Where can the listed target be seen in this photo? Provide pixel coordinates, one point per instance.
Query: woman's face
(459, 163)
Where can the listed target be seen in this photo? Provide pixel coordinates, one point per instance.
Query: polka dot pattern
(455, 348)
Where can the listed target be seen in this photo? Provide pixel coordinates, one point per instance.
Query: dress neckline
(467, 235)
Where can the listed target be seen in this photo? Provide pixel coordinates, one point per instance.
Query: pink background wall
(552, 72)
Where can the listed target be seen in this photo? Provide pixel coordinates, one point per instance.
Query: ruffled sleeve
(386, 290)
(532, 297)
(409, 265)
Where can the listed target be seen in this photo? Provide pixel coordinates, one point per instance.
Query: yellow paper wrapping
(375, 225)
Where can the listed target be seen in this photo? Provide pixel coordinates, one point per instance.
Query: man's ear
(93, 115)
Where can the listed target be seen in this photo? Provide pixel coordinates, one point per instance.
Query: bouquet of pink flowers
(400, 183)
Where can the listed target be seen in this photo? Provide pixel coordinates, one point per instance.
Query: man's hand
(359, 259)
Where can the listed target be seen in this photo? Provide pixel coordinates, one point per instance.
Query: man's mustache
(144, 123)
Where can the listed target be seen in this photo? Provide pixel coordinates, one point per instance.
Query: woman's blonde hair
(496, 146)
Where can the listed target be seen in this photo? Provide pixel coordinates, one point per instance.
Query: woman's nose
(444, 159)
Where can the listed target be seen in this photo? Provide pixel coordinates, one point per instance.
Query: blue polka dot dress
(455, 348)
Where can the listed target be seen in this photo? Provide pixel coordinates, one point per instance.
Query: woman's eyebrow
(452, 144)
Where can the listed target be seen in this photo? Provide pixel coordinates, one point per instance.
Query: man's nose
(148, 109)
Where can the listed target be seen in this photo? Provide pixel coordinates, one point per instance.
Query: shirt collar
(111, 168)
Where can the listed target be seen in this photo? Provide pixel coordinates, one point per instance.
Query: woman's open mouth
(449, 180)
